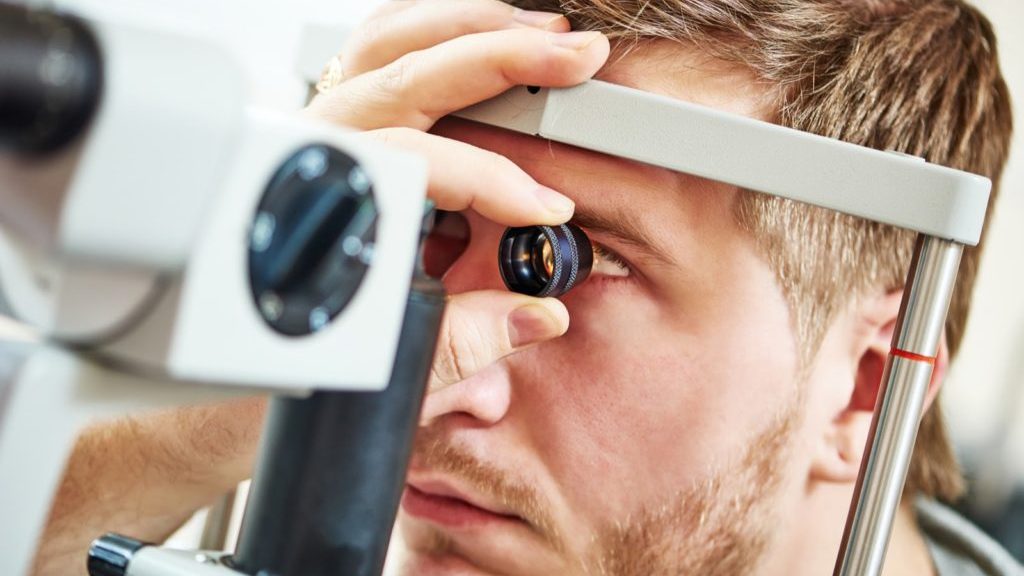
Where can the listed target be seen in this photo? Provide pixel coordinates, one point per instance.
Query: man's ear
(839, 456)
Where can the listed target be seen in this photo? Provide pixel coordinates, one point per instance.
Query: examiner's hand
(416, 61)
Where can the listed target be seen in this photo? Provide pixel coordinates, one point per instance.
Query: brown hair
(915, 76)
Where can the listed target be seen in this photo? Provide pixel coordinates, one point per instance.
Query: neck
(908, 551)
(810, 544)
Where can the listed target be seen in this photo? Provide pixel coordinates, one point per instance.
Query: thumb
(482, 327)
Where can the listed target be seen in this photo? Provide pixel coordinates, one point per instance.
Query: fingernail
(535, 18)
(574, 40)
(530, 324)
(554, 201)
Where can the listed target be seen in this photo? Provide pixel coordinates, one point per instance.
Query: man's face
(648, 439)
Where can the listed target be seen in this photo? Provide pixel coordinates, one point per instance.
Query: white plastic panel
(169, 118)
(207, 327)
(886, 187)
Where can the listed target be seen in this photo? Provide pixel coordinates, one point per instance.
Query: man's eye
(608, 263)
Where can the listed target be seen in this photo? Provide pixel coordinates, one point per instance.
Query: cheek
(634, 403)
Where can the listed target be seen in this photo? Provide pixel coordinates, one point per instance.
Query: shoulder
(959, 548)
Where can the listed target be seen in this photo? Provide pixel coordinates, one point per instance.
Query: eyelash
(603, 253)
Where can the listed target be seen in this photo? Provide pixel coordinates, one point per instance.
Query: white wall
(984, 394)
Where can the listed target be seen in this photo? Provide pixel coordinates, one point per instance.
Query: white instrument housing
(134, 243)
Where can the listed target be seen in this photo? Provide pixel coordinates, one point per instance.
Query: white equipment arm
(887, 187)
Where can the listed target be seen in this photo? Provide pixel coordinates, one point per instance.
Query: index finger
(463, 177)
(420, 87)
(405, 26)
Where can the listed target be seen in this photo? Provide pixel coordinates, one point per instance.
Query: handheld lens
(544, 260)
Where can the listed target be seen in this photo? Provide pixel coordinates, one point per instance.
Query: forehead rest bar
(887, 187)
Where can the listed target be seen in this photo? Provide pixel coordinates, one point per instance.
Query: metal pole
(218, 522)
(908, 372)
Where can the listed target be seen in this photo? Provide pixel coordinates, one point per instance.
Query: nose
(483, 398)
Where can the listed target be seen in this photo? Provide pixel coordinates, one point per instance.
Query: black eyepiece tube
(544, 260)
(50, 79)
(332, 466)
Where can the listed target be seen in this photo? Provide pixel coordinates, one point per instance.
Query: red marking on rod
(912, 356)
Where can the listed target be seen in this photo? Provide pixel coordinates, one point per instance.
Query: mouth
(441, 504)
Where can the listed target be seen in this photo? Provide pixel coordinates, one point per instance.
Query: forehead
(684, 72)
(672, 69)
(608, 186)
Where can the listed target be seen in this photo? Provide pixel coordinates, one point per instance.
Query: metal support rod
(908, 372)
(218, 522)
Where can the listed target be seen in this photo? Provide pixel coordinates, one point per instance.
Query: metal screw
(358, 180)
(352, 246)
(56, 68)
(262, 231)
(318, 318)
(366, 256)
(312, 163)
(271, 305)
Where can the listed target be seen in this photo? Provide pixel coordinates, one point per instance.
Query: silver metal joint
(904, 385)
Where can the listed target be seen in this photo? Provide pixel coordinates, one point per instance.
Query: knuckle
(396, 76)
(462, 346)
(447, 368)
(391, 135)
(467, 347)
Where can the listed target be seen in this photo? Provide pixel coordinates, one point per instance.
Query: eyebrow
(625, 227)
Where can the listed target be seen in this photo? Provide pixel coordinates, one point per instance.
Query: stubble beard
(720, 526)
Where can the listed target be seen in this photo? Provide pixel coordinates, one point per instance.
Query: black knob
(50, 79)
(111, 554)
(311, 240)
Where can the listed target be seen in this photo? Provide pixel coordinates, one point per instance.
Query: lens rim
(572, 253)
(303, 269)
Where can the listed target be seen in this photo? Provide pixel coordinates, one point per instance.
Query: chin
(426, 549)
(445, 564)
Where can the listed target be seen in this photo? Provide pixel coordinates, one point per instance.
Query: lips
(441, 503)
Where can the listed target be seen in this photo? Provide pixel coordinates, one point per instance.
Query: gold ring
(331, 76)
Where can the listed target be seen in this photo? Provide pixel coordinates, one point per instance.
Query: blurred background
(984, 394)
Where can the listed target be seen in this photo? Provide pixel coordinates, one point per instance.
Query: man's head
(708, 406)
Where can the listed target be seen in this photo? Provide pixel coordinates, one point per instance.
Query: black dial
(51, 79)
(311, 240)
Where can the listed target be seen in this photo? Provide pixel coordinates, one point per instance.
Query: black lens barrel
(51, 79)
(520, 259)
